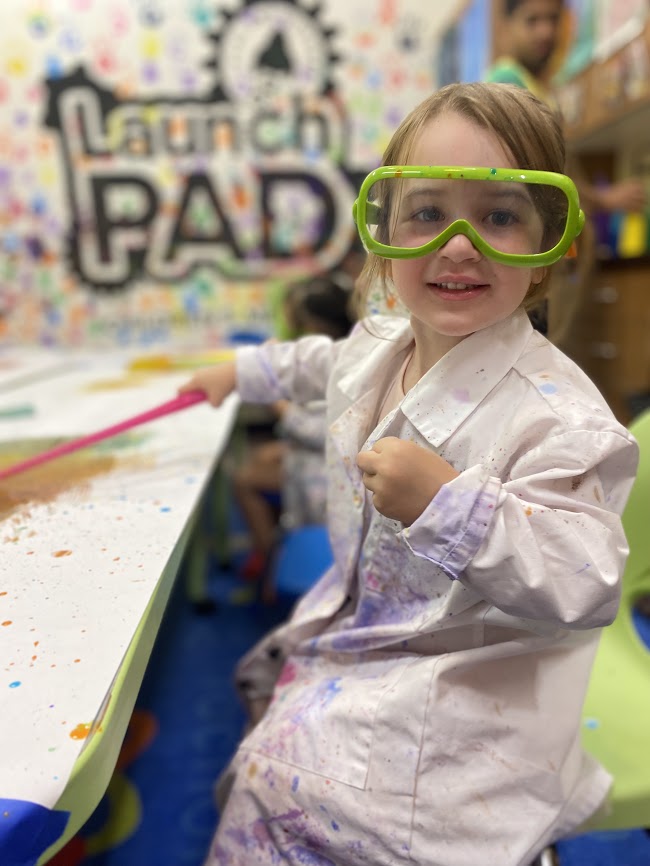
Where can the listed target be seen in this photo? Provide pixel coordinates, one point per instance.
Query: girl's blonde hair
(526, 127)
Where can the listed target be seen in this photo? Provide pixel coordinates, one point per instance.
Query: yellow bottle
(632, 236)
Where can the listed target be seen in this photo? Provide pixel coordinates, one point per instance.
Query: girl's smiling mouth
(457, 289)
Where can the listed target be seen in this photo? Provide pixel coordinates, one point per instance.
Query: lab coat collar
(370, 371)
(452, 389)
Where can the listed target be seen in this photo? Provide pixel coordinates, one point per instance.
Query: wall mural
(167, 165)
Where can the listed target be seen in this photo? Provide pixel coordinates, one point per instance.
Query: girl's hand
(403, 477)
(215, 382)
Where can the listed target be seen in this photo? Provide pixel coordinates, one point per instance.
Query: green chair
(616, 728)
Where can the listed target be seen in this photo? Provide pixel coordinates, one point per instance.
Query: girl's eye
(428, 215)
(502, 218)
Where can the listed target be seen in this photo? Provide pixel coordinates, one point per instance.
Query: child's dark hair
(511, 6)
(322, 304)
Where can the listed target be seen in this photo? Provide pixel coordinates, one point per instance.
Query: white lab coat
(428, 705)
(304, 485)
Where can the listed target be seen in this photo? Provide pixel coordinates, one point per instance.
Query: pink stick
(182, 401)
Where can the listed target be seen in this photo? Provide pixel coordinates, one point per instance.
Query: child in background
(423, 703)
(292, 465)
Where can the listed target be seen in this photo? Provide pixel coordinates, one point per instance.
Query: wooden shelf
(610, 336)
(609, 102)
(639, 262)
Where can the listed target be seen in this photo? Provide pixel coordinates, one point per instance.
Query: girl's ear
(539, 274)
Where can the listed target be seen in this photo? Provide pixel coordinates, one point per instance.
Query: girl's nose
(459, 248)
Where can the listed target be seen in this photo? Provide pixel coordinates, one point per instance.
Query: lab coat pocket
(322, 717)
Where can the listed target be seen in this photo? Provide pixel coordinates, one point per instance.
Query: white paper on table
(76, 574)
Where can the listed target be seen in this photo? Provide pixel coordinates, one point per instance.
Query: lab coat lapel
(452, 389)
(360, 391)
(370, 374)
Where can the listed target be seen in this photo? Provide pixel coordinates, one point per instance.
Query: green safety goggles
(515, 217)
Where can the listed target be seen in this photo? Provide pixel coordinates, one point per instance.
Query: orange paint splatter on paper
(81, 731)
(59, 553)
(45, 483)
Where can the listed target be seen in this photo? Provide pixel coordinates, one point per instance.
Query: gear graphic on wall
(268, 48)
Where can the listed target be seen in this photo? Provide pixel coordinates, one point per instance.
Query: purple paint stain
(239, 836)
(461, 394)
(292, 815)
(261, 833)
(295, 783)
(309, 858)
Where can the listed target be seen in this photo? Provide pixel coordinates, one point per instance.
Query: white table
(84, 577)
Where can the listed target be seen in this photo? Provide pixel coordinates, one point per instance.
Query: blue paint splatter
(592, 724)
(15, 684)
(328, 690)
(548, 388)
(294, 783)
(165, 508)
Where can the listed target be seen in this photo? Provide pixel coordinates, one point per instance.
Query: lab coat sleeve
(305, 425)
(545, 544)
(297, 370)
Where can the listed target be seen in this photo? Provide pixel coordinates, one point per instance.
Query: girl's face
(455, 291)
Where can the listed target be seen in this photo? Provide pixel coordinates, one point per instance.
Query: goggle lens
(512, 217)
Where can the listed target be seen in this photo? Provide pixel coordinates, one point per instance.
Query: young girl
(423, 703)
